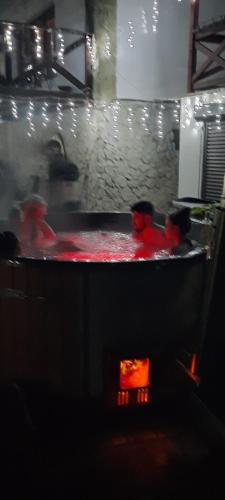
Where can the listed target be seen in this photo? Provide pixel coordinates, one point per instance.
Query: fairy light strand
(14, 109)
(89, 113)
(92, 50)
(107, 46)
(30, 114)
(61, 47)
(73, 128)
(218, 122)
(39, 49)
(206, 103)
(115, 118)
(176, 112)
(144, 22)
(59, 116)
(8, 37)
(145, 118)
(160, 121)
(130, 119)
(131, 34)
(45, 118)
(155, 16)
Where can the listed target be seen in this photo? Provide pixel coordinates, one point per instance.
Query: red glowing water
(98, 246)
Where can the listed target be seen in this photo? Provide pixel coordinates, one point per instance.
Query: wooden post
(192, 62)
(8, 67)
(89, 27)
(20, 55)
(48, 51)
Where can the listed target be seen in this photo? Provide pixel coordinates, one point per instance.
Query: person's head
(142, 213)
(35, 207)
(179, 220)
(9, 245)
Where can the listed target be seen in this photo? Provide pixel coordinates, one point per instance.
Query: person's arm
(47, 231)
(184, 248)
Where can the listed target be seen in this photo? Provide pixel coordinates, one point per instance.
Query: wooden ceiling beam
(209, 37)
(215, 26)
(69, 77)
(192, 59)
(212, 57)
(210, 84)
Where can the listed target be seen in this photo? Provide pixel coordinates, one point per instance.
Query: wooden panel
(6, 321)
(73, 329)
(53, 327)
(41, 335)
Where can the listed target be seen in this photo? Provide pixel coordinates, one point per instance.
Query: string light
(30, 113)
(105, 107)
(44, 115)
(107, 46)
(206, 103)
(160, 121)
(145, 118)
(218, 122)
(176, 112)
(155, 16)
(131, 34)
(14, 109)
(144, 22)
(91, 45)
(89, 109)
(59, 117)
(74, 119)
(39, 50)
(115, 115)
(61, 47)
(130, 118)
(8, 36)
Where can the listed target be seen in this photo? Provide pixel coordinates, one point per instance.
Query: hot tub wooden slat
(73, 293)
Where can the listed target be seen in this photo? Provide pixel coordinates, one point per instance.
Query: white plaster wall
(190, 160)
(72, 15)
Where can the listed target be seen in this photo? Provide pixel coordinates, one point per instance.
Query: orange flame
(134, 373)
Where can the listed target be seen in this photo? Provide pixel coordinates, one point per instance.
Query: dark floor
(154, 455)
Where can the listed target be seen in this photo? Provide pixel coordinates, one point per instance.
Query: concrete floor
(149, 456)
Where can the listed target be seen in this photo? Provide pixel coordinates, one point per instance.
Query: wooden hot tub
(62, 320)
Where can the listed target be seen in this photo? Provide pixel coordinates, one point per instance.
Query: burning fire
(134, 373)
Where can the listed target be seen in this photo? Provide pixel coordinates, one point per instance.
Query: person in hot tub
(9, 245)
(178, 225)
(144, 230)
(34, 230)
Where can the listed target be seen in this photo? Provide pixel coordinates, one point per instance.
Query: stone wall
(124, 153)
(129, 165)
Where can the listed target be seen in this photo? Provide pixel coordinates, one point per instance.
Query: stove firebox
(134, 382)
